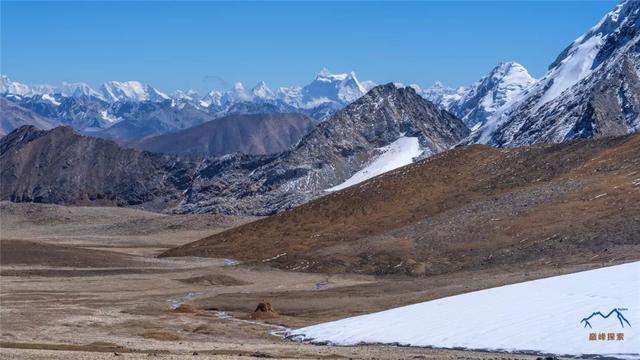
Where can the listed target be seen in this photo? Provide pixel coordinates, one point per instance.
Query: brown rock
(184, 309)
(264, 310)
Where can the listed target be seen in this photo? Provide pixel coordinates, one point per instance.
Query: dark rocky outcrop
(60, 166)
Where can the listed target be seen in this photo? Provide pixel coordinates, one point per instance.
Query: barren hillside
(468, 208)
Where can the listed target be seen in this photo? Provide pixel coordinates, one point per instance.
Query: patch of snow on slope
(573, 68)
(544, 316)
(104, 114)
(50, 99)
(399, 153)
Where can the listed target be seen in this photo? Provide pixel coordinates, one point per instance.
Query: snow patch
(553, 315)
(50, 99)
(399, 153)
(104, 114)
(573, 68)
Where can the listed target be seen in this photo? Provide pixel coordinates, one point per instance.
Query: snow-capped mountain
(10, 87)
(212, 98)
(262, 91)
(328, 87)
(441, 95)
(591, 90)
(487, 96)
(483, 99)
(189, 95)
(237, 94)
(77, 89)
(131, 91)
(323, 97)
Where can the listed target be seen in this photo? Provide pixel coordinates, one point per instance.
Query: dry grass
(469, 208)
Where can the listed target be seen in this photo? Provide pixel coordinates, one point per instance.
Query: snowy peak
(213, 98)
(441, 95)
(262, 91)
(510, 73)
(586, 53)
(485, 98)
(237, 94)
(132, 91)
(187, 96)
(77, 89)
(9, 87)
(490, 94)
(327, 87)
(589, 91)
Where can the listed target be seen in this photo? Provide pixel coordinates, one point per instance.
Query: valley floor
(84, 283)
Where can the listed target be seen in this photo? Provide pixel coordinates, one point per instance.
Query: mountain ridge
(592, 89)
(468, 208)
(254, 134)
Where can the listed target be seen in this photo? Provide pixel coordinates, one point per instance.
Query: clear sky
(204, 45)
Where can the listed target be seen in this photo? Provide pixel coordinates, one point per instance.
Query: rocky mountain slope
(331, 154)
(13, 116)
(469, 208)
(387, 128)
(60, 166)
(248, 134)
(591, 90)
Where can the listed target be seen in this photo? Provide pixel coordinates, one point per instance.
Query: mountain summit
(384, 129)
(485, 98)
(591, 90)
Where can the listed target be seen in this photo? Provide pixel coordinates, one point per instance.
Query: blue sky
(204, 45)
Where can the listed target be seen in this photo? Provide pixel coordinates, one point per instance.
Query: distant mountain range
(95, 111)
(77, 169)
(344, 131)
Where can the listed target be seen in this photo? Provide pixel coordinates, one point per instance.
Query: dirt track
(120, 298)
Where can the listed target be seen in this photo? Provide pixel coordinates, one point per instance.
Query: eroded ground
(84, 283)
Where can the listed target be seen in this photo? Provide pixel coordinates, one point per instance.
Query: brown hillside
(244, 133)
(468, 208)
